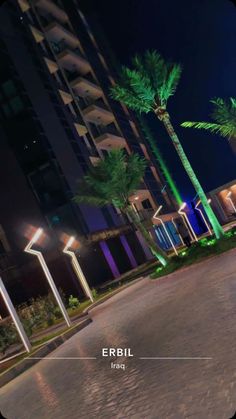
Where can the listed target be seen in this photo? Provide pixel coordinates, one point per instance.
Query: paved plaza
(191, 314)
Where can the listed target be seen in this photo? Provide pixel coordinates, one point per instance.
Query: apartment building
(57, 119)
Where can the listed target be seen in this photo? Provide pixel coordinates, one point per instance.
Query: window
(146, 204)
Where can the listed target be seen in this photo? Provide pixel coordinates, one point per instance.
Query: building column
(109, 258)
(128, 251)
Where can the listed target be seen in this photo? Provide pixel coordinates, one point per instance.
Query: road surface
(190, 315)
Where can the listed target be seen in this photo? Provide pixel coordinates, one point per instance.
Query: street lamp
(165, 229)
(187, 222)
(228, 196)
(14, 316)
(77, 268)
(47, 273)
(202, 215)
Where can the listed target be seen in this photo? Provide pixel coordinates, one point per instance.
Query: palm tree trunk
(153, 246)
(218, 230)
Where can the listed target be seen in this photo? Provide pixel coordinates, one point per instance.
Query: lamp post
(77, 268)
(14, 316)
(165, 229)
(187, 222)
(47, 273)
(202, 215)
(228, 196)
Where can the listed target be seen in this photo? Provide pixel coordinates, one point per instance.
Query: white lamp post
(228, 196)
(202, 215)
(14, 316)
(165, 229)
(47, 274)
(77, 268)
(187, 222)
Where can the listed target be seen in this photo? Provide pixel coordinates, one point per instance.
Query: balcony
(81, 129)
(66, 97)
(52, 65)
(94, 160)
(98, 114)
(84, 88)
(49, 7)
(37, 34)
(109, 141)
(57, 33)
(24, 5)
(73, 61)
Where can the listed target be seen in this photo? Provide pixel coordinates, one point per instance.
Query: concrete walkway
(189, 315)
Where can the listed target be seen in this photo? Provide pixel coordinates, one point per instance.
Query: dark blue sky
(200, 34)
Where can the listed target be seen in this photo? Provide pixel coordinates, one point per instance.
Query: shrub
(73, 302)
(94, 293)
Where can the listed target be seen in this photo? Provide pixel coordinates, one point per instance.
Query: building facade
(57, 119)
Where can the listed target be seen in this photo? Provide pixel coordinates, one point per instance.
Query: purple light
(128, 251)
(109, 258)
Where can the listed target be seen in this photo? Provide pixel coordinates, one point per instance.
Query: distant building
(57, 119)
(223, 200)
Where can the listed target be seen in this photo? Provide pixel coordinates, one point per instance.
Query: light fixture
(14, 316)
(47, 274)
(202, 215)
(186, 221)
(165, 229)
(77, 268)
(228, 196)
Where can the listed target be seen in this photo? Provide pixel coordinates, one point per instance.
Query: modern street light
(77, 268)
(202, 215)
(187, 222)
(47, 274)
(14, 316)
(165, 229)
(228, 196)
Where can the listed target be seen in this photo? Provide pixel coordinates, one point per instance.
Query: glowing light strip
(177, 231)
(228, 196)
(78, 269)
(47, 274)
(14, 316)
(187, 222)
(165, 229)
(202, 215)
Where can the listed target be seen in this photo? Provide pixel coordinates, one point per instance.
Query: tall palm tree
(223, 117)
(146, 88)
(112, 181)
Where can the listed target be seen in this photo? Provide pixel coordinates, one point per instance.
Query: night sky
(200, 34)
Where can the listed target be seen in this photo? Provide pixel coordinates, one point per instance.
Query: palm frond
(170, 83)
(112, 181)
(223, 130)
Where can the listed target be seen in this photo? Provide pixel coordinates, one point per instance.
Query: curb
(106, 297)
(193, 265)
(27, 363)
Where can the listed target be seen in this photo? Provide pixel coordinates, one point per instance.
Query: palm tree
(112, 181)
(146, 88)
(223, 117)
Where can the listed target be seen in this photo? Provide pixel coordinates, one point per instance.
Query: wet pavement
(189, 316)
